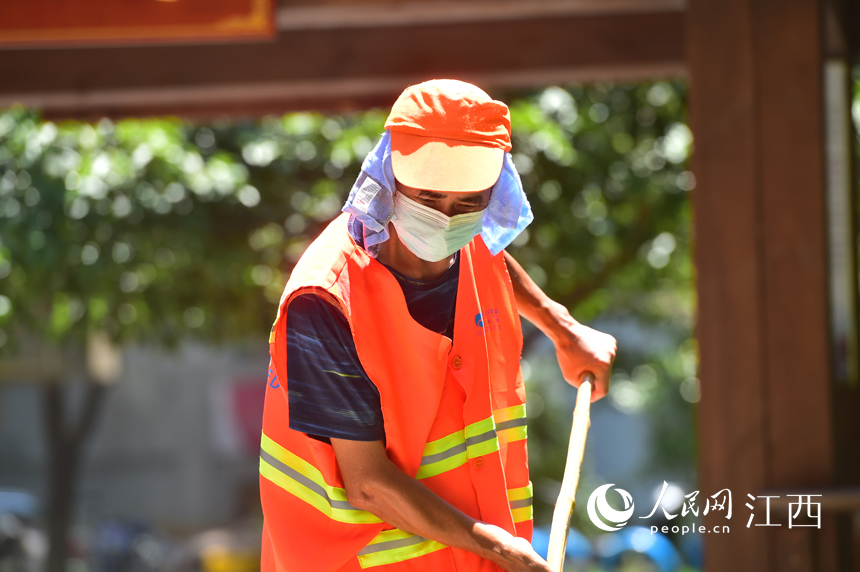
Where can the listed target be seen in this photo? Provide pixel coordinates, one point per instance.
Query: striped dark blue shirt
(330, 395)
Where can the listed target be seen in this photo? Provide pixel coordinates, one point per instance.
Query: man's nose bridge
(448, 207)
(449, 211)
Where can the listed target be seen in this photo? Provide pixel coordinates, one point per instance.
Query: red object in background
(52, 22)
(248, 399)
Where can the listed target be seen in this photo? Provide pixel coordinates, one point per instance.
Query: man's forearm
(407, 504)
(579, 348)
(533, 304)
(381, 488)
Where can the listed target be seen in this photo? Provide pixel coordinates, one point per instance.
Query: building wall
(170, 447)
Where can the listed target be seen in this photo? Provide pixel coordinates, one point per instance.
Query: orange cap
(448, 135)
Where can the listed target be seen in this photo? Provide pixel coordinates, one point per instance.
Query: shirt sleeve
(330, 395)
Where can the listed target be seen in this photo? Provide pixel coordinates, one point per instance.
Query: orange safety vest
(454, 416)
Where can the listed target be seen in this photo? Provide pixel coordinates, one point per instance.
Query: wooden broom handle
(567, 496)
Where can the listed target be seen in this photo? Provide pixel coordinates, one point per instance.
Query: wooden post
(766, 412)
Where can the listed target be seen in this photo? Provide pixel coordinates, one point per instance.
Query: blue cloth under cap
(371, 202)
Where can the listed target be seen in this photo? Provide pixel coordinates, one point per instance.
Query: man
(394, 428)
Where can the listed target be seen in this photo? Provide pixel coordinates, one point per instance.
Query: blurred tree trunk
(67, 434)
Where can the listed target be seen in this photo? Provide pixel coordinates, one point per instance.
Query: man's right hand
(516, 554)
(375, 484)
(525, 559)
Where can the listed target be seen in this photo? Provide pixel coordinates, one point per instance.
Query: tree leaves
(160, 228)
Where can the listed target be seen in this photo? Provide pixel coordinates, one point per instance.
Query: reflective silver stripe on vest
(522, 503)
(455, 450)
(391, 544)
(510, 424)
(491, 434)
(311, 485)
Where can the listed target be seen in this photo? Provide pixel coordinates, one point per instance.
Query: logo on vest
(598, 507)
(488, 320)
(273, 379)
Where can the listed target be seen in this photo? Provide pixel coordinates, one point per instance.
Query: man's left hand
(581, 349)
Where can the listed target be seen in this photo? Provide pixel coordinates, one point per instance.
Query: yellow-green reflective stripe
(297, 476)
(511, 434)
(484, 448)
(455, 449)
(340, 511)
(299, 465)
(481, 438)
(396, 545)
(508, 413)
(480, 427)
(520, 493)
(522, 514)
(511, 423)
(433, 469)
(445, 443)
(521, 501)
(443, 454)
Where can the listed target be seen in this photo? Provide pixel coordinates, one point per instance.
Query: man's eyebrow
(440, 196)
(431, 195)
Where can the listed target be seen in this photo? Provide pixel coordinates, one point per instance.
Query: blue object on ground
(639, 539)
(19, 503)
(692, 549)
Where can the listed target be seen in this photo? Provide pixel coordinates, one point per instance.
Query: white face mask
(431, 235)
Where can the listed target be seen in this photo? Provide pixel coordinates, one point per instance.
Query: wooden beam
(342, 68)
(336, 14)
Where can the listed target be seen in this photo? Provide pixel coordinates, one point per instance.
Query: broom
(567, 496)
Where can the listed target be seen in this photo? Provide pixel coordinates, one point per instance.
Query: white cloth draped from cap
(371, 202)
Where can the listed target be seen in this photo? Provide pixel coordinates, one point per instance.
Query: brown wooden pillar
(766, 412)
